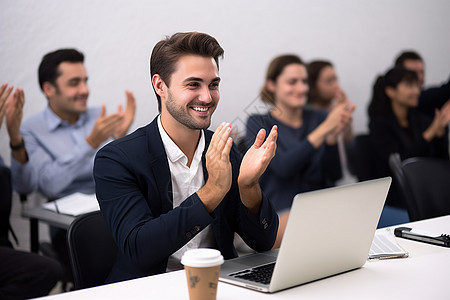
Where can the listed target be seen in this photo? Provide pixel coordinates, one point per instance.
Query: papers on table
(385, 246)
(74, 205)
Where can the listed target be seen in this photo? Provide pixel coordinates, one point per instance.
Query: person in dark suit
(23, 275)
(430, 98)
(173, 185)
(397, 126)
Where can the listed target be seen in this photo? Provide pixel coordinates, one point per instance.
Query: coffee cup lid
(202, 258)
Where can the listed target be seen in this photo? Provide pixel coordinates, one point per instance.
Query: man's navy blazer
(134, 190)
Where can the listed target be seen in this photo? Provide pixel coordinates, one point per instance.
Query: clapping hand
(105, 126)
(14, 114)
(128, 117)
(218, 166)
(5, 91)
(253, 165)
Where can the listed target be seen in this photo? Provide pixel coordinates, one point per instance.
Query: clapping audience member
(62, 140)
(430, 98)
(307, 156)
(325, 93)
(396, 125)
(173, 185)
(23, 275)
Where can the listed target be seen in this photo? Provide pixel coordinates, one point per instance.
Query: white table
(424, 275)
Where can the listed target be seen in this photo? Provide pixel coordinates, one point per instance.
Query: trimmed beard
(179, 114)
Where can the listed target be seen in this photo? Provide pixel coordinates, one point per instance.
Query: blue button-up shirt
(60, 161)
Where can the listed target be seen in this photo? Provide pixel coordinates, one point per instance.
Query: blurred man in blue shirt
(62, 140)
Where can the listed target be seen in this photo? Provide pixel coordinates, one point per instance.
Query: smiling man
(173, 185)
(62, 140)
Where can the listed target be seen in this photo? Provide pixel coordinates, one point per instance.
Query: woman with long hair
(307, 156)
(396, 126)
(325, 92)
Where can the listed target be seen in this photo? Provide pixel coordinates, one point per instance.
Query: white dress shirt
(185, 182)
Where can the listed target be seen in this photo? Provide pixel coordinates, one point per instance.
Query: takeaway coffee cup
(202, 268)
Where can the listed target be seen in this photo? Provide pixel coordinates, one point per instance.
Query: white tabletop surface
(425, 274)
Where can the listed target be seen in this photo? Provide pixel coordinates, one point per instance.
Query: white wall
(360, 37)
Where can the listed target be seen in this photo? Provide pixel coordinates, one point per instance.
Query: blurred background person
(430, 98)
(23, 275)
(307, 157)
(62, 140)
(396, 126)
(325, 93)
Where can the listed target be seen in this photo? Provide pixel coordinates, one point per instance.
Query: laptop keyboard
(261, 274)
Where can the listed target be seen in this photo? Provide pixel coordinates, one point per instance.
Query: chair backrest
(92, 250)
(360, 157)
(425, 185)
(401, 186)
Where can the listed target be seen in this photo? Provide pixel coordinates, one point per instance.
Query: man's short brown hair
(167, 52)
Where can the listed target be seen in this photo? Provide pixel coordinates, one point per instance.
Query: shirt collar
(173, 152)
(53, 121)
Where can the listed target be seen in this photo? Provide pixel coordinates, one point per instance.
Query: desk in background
(69, 207)
(37, 213)
(424, 275)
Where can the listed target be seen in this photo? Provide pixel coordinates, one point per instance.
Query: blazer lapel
(160, 166)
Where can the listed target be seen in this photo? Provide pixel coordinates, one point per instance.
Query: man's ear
(49, 89)
(159, 85)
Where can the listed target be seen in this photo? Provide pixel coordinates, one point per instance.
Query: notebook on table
(328, 232)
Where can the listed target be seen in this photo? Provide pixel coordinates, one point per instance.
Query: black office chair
(360, 158)
(92, 250)
(424, 184)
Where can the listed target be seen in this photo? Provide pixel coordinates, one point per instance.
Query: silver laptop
(329, 231)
